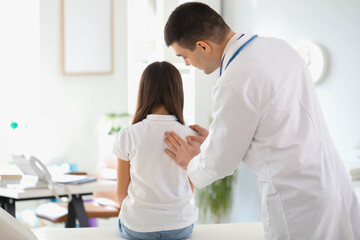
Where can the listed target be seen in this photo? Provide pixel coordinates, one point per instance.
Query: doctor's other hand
(203, 133)
(180, 151)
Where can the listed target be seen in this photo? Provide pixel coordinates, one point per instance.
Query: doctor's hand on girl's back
(182, 152)
(203, 133)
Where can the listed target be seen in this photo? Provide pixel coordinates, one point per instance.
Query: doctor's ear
(204, 45)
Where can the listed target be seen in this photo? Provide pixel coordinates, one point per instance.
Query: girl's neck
(161, 110)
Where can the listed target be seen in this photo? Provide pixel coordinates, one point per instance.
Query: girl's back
(159, 193)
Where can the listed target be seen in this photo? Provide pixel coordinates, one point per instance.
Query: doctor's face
(196, 58)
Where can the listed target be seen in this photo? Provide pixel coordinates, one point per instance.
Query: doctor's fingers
(196, 139)
(174, 139)
(203, 132)
(170, 154)
(190, 141)
(170, 144)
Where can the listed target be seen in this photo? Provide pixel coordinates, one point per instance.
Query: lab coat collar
(160, 117)
(233, 45)
(231, 41)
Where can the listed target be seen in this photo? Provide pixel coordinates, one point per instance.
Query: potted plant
(215, 199)
(117, 121)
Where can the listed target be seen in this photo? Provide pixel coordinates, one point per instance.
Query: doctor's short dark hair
(160, 85)
(194, 21)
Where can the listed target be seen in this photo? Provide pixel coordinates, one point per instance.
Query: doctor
(266, 115)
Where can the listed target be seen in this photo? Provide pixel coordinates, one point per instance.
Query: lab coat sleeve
(230, 134)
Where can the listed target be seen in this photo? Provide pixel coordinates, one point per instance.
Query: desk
(76, 210)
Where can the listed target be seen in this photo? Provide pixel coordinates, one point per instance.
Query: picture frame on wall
(87, 37)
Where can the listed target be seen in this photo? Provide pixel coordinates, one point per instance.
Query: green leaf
(215, 198)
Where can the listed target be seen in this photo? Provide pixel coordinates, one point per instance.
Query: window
(19, 64)
(146, 45)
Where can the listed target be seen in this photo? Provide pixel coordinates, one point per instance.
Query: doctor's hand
(203, 133)
(180, 151)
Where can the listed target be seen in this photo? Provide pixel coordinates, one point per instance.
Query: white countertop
(229, 231)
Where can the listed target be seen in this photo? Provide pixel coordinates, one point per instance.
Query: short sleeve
(121, 145)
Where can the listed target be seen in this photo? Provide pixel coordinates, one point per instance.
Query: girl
(154, 192)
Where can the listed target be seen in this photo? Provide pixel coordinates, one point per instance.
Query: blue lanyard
(236, 53)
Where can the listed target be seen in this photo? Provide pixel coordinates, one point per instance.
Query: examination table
(229, 231)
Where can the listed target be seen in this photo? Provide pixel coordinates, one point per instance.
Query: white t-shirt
(159, 194)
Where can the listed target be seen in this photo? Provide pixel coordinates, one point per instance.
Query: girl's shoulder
(131, 128)
(126, 132)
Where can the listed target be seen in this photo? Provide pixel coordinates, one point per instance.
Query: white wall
(19, 70)
(335, 26)
(74, 104)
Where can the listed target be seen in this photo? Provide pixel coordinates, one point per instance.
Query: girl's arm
(191, 184)
(123, 179)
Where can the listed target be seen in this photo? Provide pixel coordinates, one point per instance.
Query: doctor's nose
(187, 62)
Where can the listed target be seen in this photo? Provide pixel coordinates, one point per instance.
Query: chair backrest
(12, 229)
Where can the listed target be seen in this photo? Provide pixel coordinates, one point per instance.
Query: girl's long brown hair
(160, 84)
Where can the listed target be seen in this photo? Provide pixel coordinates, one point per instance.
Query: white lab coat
(266, 114)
